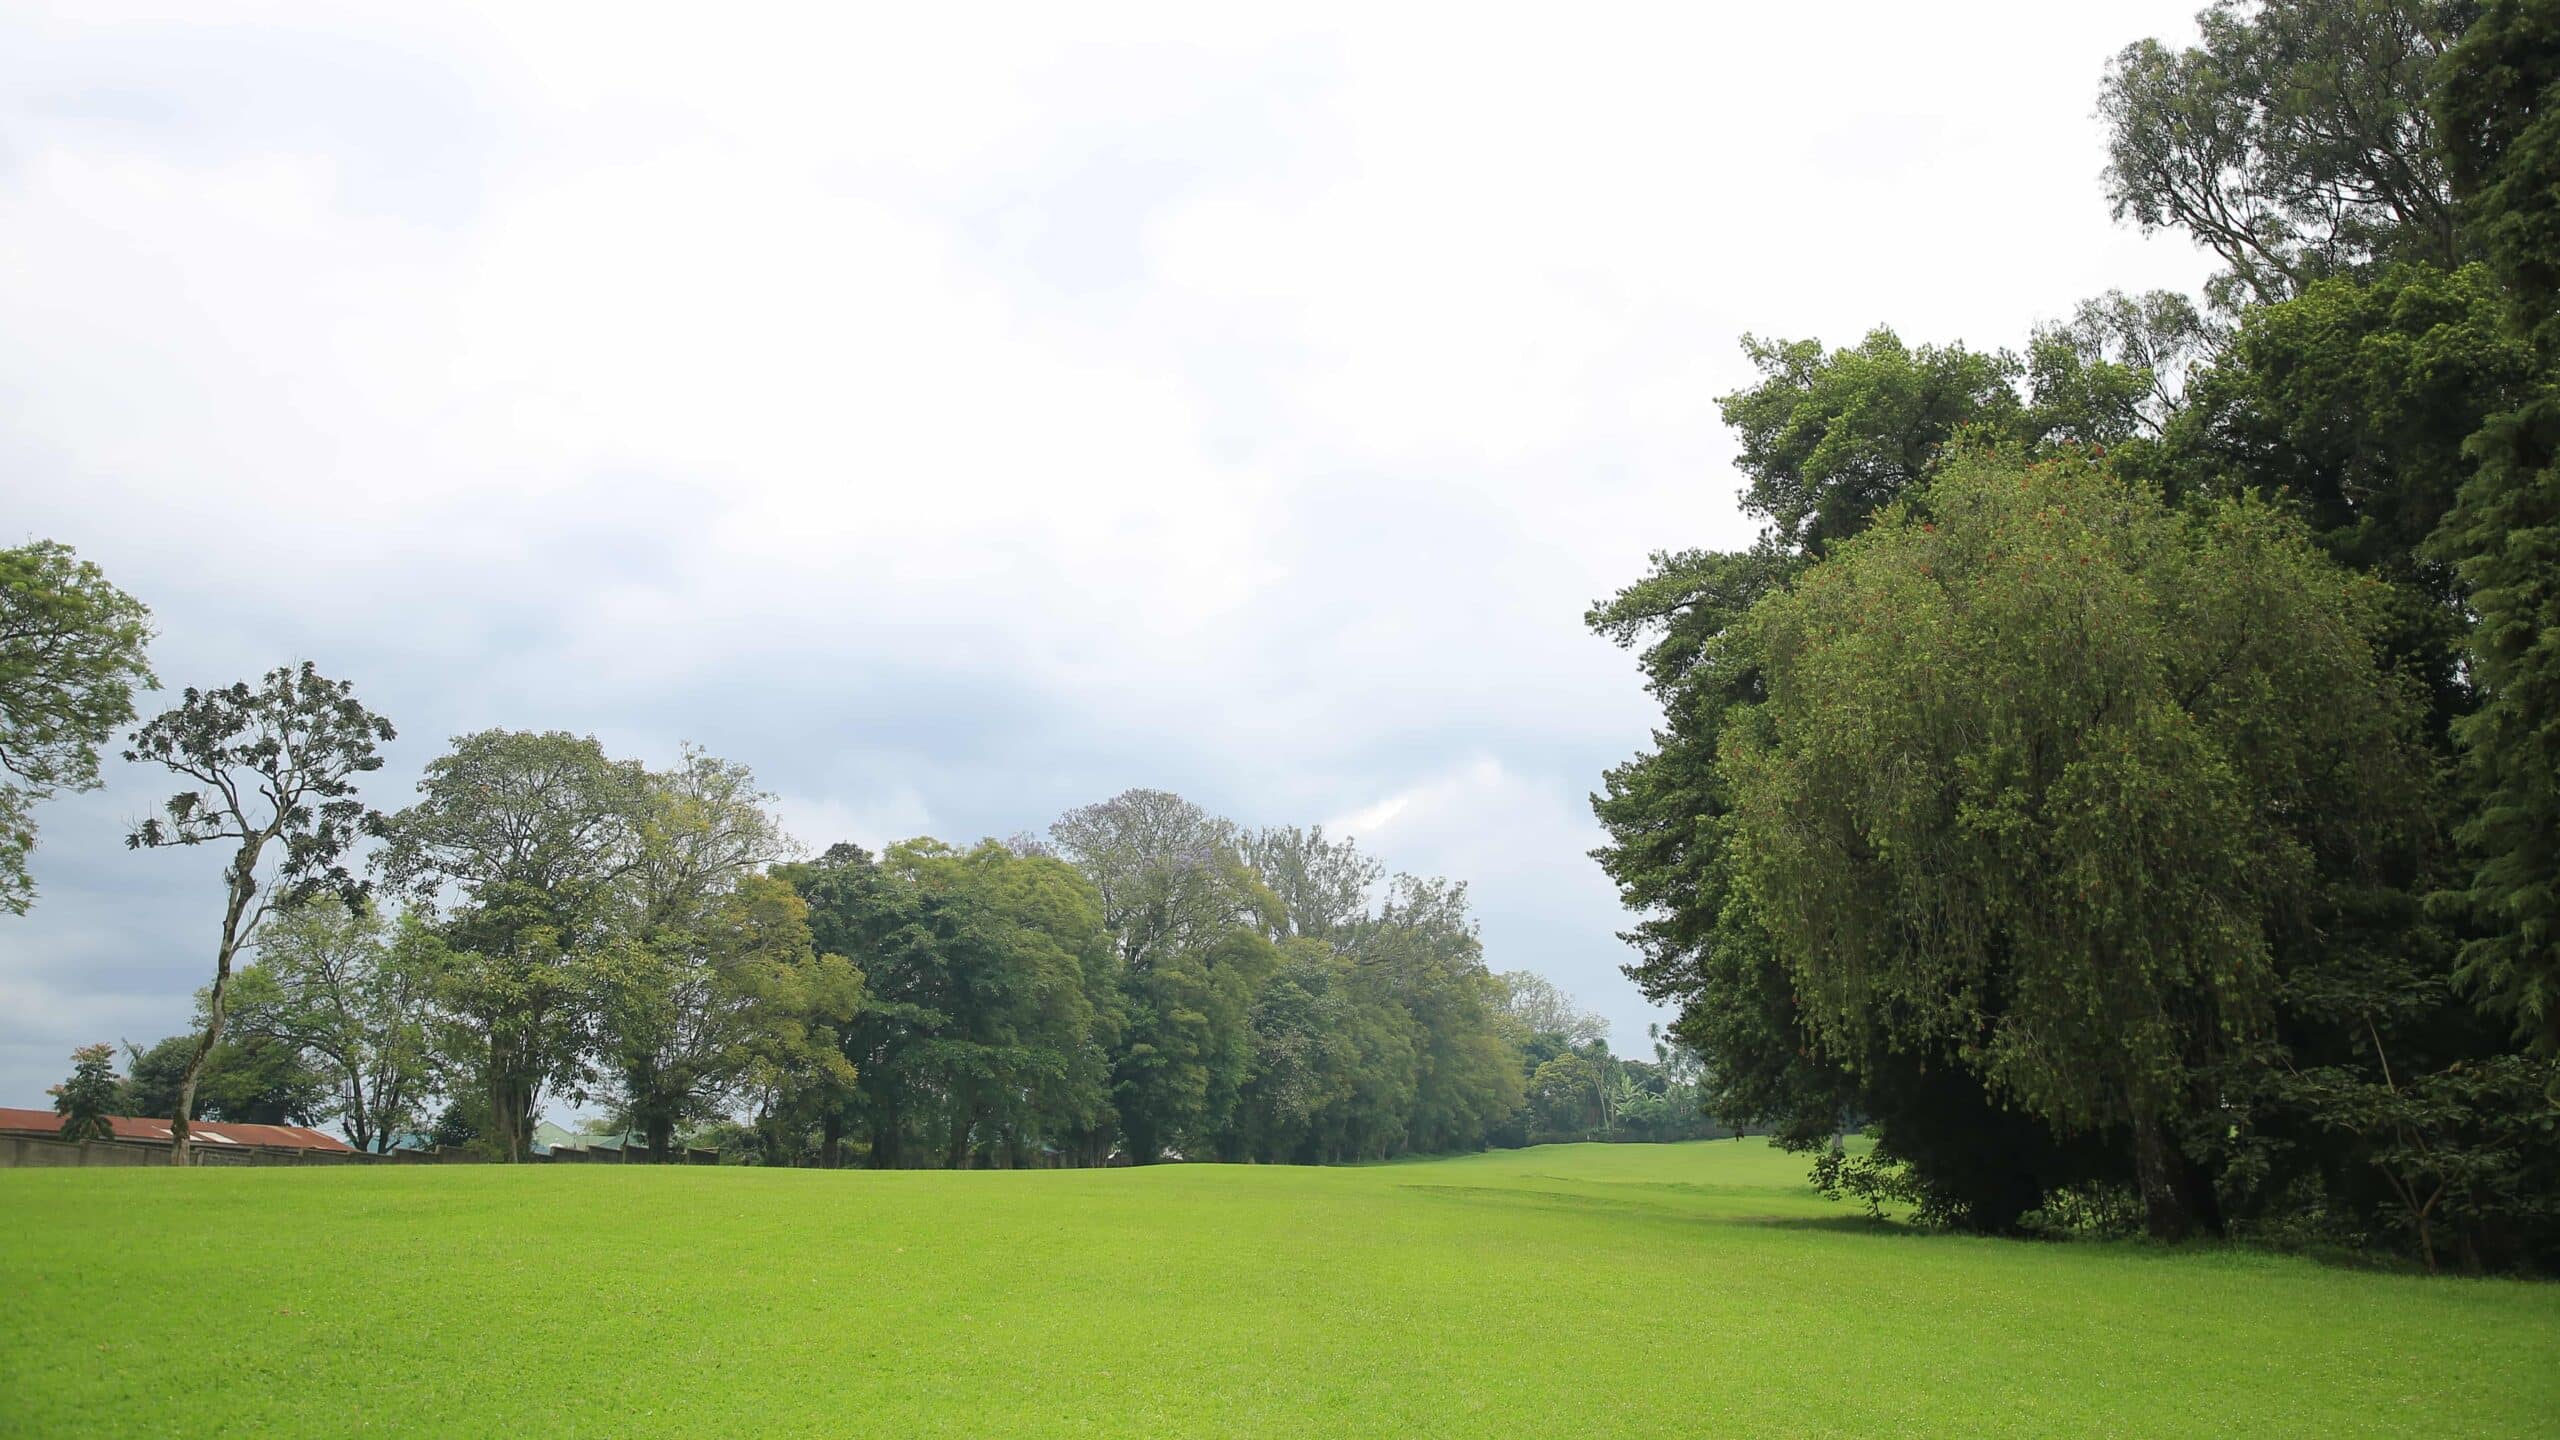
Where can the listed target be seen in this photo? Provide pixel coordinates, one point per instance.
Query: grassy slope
(1588, 1290)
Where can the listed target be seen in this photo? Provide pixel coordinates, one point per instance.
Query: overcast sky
(958, 418)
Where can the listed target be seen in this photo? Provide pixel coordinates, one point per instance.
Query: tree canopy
(71, 656)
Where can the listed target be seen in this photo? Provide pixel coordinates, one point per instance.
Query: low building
(135, 1130)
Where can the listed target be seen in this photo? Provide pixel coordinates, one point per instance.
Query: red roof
(202, 1132)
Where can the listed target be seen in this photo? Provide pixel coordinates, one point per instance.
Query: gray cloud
(960, 421)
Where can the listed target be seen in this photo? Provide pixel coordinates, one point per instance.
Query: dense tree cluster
(2127, 771)
(547, 924)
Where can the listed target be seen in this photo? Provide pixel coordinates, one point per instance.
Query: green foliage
(2501, 87)
(704, 977)
(988, 1003)
(1828, 438)
(86, 1099)
(250, 1080)
(70, 656)
(2295, 142)
(271, 772)
(349, 988)
(463, 1124)
(2228, 906)
(1167, 986)
(2505, 537)
(689, 1015)
(1621, 1290)
(521, 843)
(2350, 404)
(274, 765)
(2501, 141)
(2056, 725)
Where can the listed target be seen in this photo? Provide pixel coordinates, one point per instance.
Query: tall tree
(1168, 871)
(689, 1013)
(689, 986)
(1190, 920)
(2043, 769)
(2295, 141)
(273, 771)
(1322, 883)
(1423, 951)
(523, 842)
(990, 1001)
(70, 657)
(1542, 1009)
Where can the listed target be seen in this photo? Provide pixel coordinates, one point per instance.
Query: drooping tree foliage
(2043, 768)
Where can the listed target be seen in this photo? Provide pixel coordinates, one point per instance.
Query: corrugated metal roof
(130, 1127)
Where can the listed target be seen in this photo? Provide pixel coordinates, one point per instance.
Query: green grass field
(1571, 1290)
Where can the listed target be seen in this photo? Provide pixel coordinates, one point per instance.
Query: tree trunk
(507, 1106)
(830, 1140)
(359, 1131)
(2156, 1168)
(243, 885)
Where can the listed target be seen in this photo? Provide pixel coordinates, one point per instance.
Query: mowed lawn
(1568, 1290)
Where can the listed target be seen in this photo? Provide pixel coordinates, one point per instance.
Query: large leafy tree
(1827, 439)
(690, 979)
(1190, 920)
(71, 656)
(350, 988)
(689, 1018)
(1421, 951)
(2043, 766)
(1169, 873)
(272, 772)
(1830, 436)
(990, 1002)
(2295, 142)
(523, 842)
(1306, 1058)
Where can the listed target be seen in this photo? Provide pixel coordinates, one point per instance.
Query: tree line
(2122, 774)
(546, 924)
